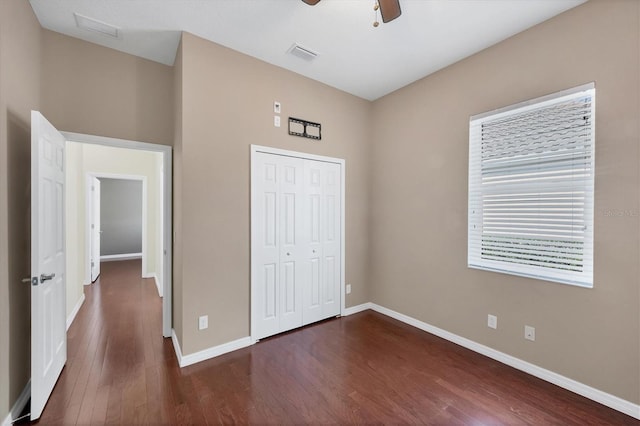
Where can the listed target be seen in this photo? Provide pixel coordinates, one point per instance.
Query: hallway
(117, 361)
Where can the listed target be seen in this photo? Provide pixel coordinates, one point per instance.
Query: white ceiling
(353, 55)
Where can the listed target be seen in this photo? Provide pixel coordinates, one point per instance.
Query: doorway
(156, 258)
(117, 223)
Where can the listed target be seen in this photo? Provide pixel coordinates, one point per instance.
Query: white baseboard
(158, 284)
(116, 257)
(355, 309)
(176, 346)
(603, 398)
(73, 313)
(19, 405)
(185, 360)
(156, 280)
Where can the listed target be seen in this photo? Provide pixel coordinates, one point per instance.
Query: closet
(295, 242)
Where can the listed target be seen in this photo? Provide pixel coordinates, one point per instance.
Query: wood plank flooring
(364, 369)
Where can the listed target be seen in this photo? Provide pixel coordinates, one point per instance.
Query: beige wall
(20, 65)
(99, 91)
(74, 228)
(419, 200)
(227, 105)
(84, 159)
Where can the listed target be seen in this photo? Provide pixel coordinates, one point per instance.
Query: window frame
(478, 193)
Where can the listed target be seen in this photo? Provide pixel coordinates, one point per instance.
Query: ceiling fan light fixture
(389, 10)
(311, 2)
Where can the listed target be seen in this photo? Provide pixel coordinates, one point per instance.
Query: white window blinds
(531, 188)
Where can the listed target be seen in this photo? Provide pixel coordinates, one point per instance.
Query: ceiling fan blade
(389, 9)
(311, 2)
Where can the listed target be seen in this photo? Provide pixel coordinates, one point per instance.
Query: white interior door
(331, 239)
(322, 222)
(48, 323)
(277, 267)
(312, 297)
(292, 242)
(95, 228)
(296, 242)
(265, 263)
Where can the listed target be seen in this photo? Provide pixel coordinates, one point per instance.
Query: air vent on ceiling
(90, 24)
(302, 52)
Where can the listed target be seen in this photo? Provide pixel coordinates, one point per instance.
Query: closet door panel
(265, 265)
(331, 242)
(292, 241)
(312, 297)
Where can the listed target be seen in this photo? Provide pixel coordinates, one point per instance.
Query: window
(531, 188)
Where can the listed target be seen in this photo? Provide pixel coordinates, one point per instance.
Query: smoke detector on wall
(302, 52)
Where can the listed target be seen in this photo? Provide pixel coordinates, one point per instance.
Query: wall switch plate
(276, 120)
(203, 322)
(348, 289)
(492, 321)
(276, 107)
(529, 333)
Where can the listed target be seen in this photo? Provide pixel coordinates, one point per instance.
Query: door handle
(46, 277)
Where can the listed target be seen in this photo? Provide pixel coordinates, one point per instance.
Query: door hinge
(92, 264)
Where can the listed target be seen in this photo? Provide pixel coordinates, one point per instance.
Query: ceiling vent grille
(94, 25)
(302, 52)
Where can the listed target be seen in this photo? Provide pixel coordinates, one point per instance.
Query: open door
(48, 294)
(95, 228)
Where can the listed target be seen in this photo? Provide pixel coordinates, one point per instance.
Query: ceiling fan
(389, 9)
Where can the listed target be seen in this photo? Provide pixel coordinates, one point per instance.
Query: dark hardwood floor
(365, 368)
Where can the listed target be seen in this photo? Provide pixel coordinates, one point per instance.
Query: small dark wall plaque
(304, 128)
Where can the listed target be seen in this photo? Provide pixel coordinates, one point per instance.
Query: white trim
(594, 394)
(203, 355)
(19, 405)
(117, 257)
(176, 346)
(355, 309)
(541, 99)
(167, 215)
(157, 281)
(74, 312)
(343, 249)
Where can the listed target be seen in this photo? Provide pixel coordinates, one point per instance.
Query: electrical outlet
(276, 120)
(203, 322)
(348, 288)
(492, 321)
(529, 333)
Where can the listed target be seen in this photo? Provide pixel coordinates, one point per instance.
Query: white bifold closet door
(296, 242)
